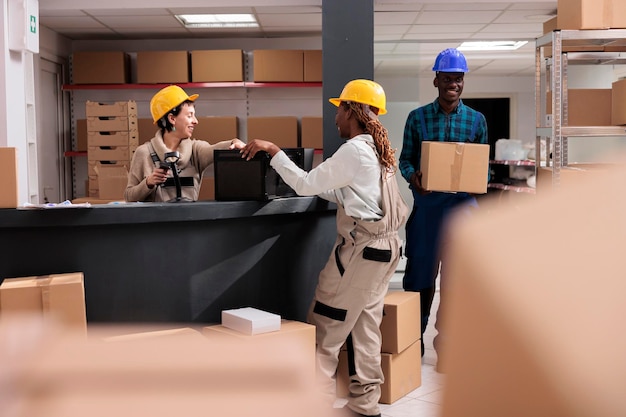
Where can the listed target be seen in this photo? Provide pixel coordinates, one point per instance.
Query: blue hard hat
(450, 60)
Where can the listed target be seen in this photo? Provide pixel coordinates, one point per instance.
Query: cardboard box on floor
(56, 297)
(586, 107)
(282, 130)
(455, 166)
(112, 181)
(8, 178)
(295, 334)
(529, 343)
(161, 376)
(401, 324)
(402, 371)
(100, 67)
(179, 333)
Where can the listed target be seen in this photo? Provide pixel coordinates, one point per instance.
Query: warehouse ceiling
(407, 34)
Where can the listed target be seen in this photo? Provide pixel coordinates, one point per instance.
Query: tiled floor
(425, 401)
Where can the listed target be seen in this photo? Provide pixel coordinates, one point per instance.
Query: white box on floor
(249, 320)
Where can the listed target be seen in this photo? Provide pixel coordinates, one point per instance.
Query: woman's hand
(256, 145)
(158, 176)
(236, 143)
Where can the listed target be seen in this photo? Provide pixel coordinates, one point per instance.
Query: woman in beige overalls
(360, 178)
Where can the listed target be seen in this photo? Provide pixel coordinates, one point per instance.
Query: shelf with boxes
(199, 69)
(263, 93)
(577, 113)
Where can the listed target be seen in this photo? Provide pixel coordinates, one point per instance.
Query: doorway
(52, 164)
(497, 112)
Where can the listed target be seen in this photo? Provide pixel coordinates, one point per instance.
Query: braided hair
(373, 126)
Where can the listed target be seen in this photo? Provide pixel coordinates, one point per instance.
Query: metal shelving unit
(556, 135)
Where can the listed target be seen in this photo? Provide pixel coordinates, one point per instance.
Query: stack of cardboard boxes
(112, 137)
(401, 349)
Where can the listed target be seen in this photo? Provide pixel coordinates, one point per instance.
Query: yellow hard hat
(166, 99)
(363, 91)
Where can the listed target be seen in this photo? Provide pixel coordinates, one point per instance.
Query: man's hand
(416, 183)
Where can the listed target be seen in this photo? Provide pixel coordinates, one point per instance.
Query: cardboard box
(108, 153)
(119, 108)
(81, 135)
(93, 166)
(100, 68)
(111, 124)
(313, 65)
(497, 333)
(8, 178)
(292, 334)
(122, 138)
(618, 103)
(402, 371)
(312, 132)
(570, 175)
(112, 181)
(250, 321)
(550, 25)
(586, 107)
(217, 66)
(214, 129)
(178, 333)
(591, 14)
(401, 325)
(282, 130)
(155, 67)
(207, 187)
(146, 130)
(271, 65)
(455, 166)
(156, 376)
(56, 297)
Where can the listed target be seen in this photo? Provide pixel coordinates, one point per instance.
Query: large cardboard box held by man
(455, 166)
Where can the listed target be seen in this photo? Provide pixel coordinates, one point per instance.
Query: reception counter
(177, 262)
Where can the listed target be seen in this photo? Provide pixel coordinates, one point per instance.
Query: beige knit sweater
(195, 157)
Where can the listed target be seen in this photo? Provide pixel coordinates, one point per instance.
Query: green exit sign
(33, 24)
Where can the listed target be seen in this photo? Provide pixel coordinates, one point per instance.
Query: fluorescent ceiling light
(218, 20)
(491, 46)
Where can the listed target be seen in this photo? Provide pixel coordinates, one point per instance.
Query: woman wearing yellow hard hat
(360, 178)
(169, 166)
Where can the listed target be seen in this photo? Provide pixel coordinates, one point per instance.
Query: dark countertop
(138, 213)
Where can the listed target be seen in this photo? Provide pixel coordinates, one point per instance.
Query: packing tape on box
(457, 166)
(43, 282)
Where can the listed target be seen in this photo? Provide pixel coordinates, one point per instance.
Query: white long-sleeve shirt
(350, 177)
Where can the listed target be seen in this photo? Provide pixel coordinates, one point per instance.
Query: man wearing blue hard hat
(446, 119)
